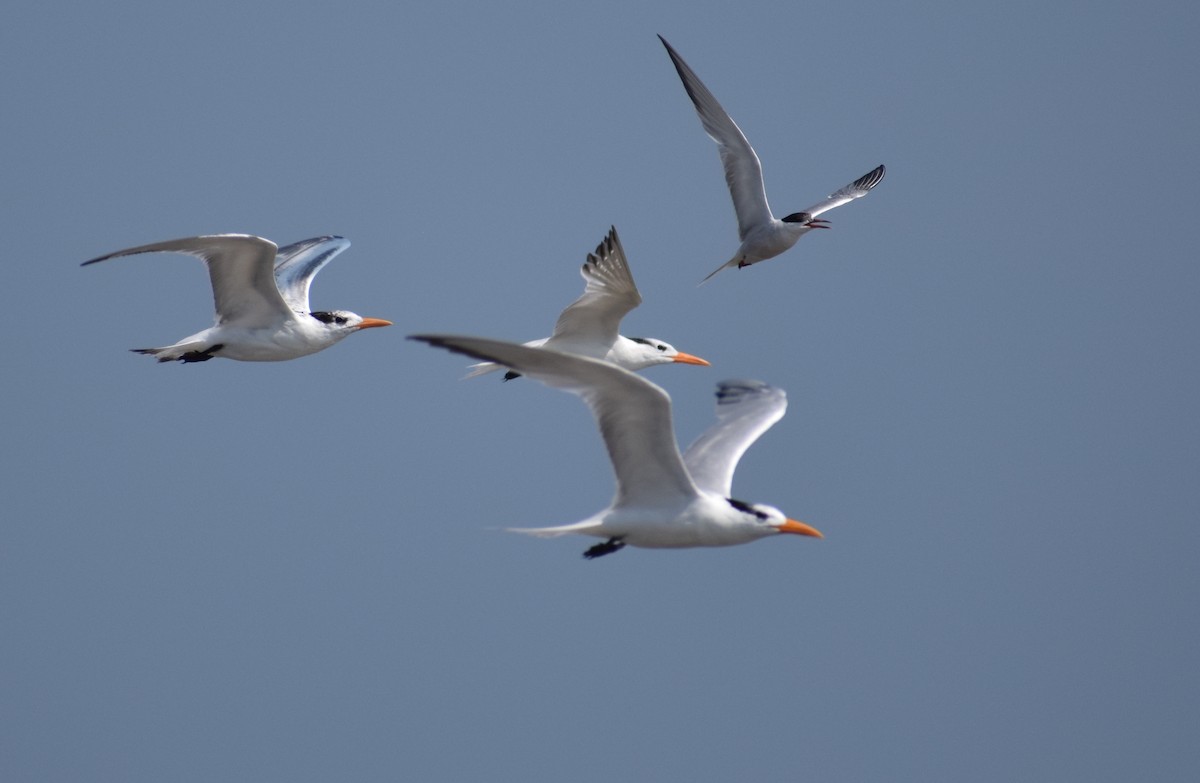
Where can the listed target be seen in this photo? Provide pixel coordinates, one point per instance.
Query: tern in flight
(763, 235)
(260, 295)
(589, 326)
(663, 499)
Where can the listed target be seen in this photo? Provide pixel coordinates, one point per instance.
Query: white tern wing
(745, 410)
(743, 172)
(856, 189)
(633, 414)
(609, 293)
(298, 263)
(241, 270)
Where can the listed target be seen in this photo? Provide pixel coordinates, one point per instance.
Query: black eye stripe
(745, 508)
(645, 341)
(329, 318)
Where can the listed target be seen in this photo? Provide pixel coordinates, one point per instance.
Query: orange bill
(687, 358)
(368, 323)
(799, 528)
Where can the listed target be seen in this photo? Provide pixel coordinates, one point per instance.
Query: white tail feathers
(585, 528)
(731, 262)
(184, 352)
(483, 368)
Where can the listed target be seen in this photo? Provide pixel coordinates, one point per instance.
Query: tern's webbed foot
(606, 548)
(200, 356)
(508, 376)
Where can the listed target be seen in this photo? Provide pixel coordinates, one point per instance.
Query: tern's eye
(661, 347)
(329, 318)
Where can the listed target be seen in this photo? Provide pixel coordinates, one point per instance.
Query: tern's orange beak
(687, 358)
(799, 528)
(368, 323)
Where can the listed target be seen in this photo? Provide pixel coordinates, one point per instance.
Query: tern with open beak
(762, 235)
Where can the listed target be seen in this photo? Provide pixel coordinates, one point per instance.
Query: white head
(640, 352)
(768, 520)
(342, 323)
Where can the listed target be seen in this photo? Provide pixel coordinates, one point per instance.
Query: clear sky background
(293, 572)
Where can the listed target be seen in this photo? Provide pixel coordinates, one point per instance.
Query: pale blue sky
(293, 571)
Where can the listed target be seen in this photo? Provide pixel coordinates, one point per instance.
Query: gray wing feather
(298, 263)
(609, 294)
(240, 268)
(856, 189)
(633, 414)
(745, 410)
(743, 171)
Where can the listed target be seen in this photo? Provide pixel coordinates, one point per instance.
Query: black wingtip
(871, 178)
(670, 49)
(446, 342)
(605, 248)
(430, 339)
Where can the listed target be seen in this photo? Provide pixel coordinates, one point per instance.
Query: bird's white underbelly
(770, 240)
(690, 528)
(273, 344)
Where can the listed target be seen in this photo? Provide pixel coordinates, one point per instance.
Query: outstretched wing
(483, 368)
(743, 172)
(298, 263)
(856, 189)
(745, 410)
(592, 323)
(633, 414)
(609, 293)
(241, 270)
